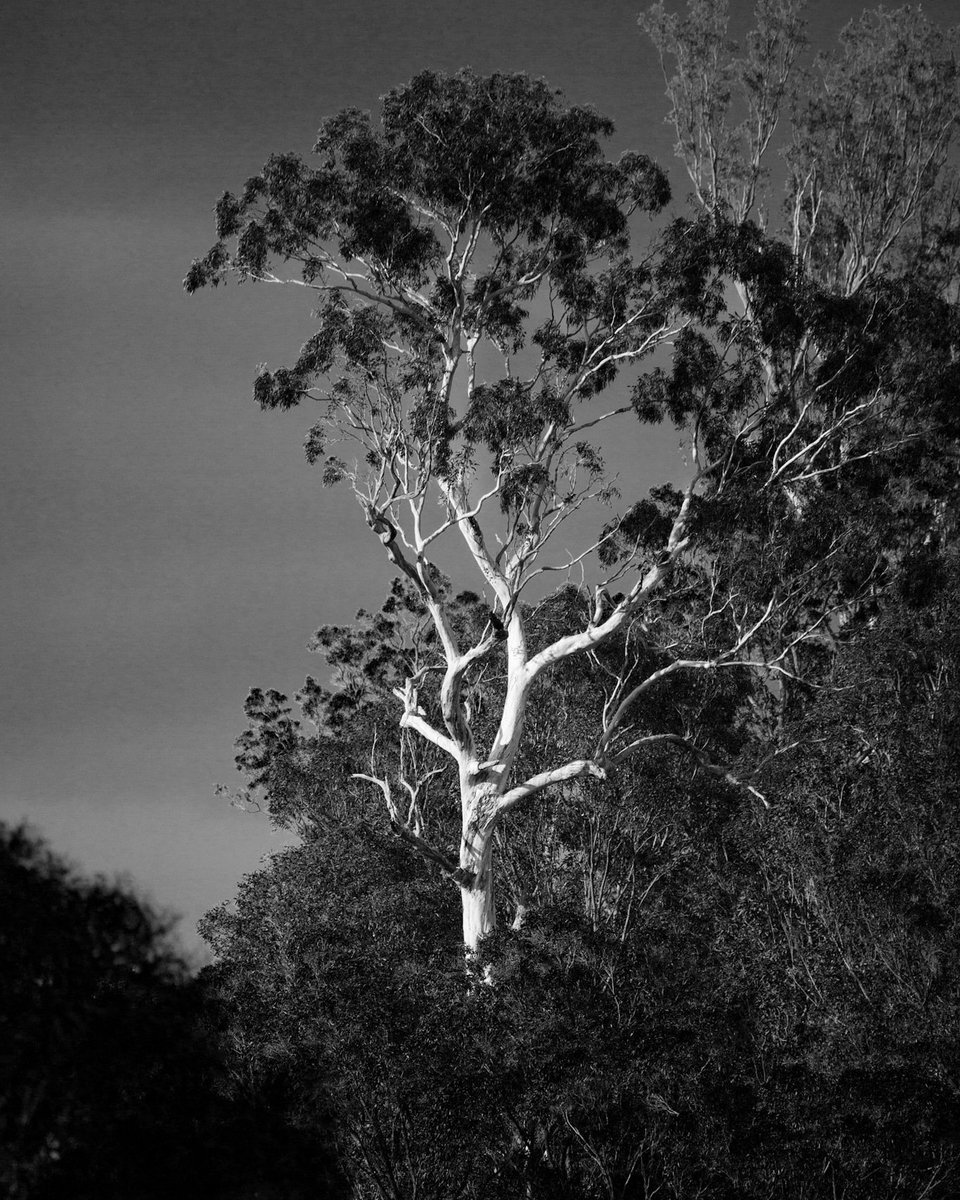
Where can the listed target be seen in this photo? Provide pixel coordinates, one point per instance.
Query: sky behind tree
(165, 545)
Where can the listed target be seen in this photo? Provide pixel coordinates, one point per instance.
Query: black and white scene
(480, 600)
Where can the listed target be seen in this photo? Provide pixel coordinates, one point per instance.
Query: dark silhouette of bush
(115, 1080)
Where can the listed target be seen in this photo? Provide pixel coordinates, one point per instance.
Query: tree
(115, 1079)
(868, 132)
(476, 300)
(69, 949)
(340, 959)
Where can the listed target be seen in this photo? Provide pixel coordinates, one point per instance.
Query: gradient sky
(164, 544)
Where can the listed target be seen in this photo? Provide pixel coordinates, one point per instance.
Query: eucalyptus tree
(477, 299)
(864, 195)
(863, 206)
(864, 132)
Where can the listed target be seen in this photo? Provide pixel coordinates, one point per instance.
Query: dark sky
(165, 546)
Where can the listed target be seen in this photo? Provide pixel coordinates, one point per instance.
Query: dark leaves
(508, 416)
(334, 469)
(646, 182)
(210, 269)
(281, 389)
(228, 212)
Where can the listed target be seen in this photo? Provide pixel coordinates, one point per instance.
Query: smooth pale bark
(478, 900)
(486, 793)
(477, 896)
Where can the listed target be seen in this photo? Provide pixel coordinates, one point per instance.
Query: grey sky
(164, 544)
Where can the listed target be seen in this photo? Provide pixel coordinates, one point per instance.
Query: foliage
(115, 1083)
(706, 997)
(858, 912)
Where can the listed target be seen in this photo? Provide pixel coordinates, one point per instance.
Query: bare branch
(449, 868)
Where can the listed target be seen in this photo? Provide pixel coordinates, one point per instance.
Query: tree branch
(448, 867)
(537, 783)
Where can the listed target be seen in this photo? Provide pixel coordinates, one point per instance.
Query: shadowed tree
(115, 1081)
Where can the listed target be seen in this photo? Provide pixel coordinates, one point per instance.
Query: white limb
(384, 786)
(510, 729)
(473, 537)
(466, 515)
(413, 718)
(725, 659)
(414, 819)
(571, 562)
(614, 412)
(646, 585)
(537, 783)
(455, 715)
(703, 761)
(412, 835)
(598, 767)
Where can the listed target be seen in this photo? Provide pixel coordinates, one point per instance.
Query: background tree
(867, 210)
(865, 131)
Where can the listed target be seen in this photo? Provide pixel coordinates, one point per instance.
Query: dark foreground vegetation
(117, 1077)
(642, 887)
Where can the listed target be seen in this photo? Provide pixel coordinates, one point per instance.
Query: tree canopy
(702, 998)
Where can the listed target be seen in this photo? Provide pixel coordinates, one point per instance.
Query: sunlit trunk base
(477, 898)
(479, 912)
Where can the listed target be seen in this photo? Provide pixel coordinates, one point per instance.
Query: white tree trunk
(479, 911)
(476, 860)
